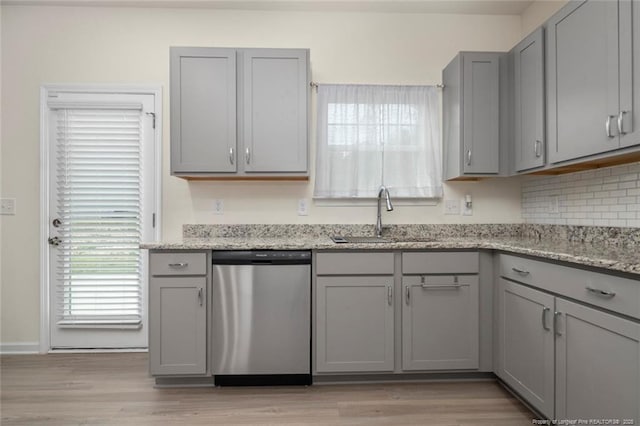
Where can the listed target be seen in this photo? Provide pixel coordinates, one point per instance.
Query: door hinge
(153, 116)
(153, 220)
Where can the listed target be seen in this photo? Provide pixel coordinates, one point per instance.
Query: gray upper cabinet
(203, 110)
(528, 58)
(471, 115)
(592, 104)
(275, 110)
(239, 112)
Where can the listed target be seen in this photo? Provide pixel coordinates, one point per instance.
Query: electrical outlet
(554, 204)
(452, 207)
(218, 206)
(8, 206)
(303, 207)
(467, 206)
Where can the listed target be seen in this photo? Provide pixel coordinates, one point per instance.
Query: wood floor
(115, 389)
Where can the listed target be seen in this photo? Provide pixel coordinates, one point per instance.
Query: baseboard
(19, 348)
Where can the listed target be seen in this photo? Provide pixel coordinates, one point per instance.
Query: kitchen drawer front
(177, 263)
(341, 263)
(617, 294)
(440, 262)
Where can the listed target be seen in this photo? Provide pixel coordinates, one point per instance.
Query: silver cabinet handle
(389, 295)
(607, 126)
(602, 293)
(407, 295)
(469, 157)
(536, 148)
(520, 271)
(456, 285)
(231, 156)
(247, 155)
(441, 287)
(621, 122)
(178, 265)
(544, 318)
(200, 296)
(556, 323)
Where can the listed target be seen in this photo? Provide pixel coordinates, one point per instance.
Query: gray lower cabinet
(359, 295)
(528, 84)
(569, 360)
(354, 313)
(177, 313)
(239, 112)
(471, 115)
(592, 102)
(597, 364)
(440, 310)
(354, 317)
(526, 343)
(440, 322)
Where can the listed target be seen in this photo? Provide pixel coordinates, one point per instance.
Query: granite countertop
(615, 258)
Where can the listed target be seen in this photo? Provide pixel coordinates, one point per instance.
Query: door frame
(45, 152)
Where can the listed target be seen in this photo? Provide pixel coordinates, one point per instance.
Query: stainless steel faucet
(383, 191)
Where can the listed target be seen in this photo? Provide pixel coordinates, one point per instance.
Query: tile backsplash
(603, 197)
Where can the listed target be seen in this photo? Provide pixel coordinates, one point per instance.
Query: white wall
(539, 11)
(130, 45)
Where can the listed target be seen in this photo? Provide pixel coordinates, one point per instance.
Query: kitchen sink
(358, 240)
(374, 240)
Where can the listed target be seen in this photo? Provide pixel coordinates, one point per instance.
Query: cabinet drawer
(440, 263)
(178, 263)
(618, 294)
(340, 263)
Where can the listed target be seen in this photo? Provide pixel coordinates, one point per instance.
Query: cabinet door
(440, 322)
(177, 323)
(481, 113)
(275, 110)
(582, 72)
(526, 344)
(629, 30)
(529, 101)
(354, 324)
(203, 110)
(597, 364)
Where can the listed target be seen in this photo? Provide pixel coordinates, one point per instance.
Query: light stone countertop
(614, 258)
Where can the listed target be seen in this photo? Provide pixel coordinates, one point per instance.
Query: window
(378, 135)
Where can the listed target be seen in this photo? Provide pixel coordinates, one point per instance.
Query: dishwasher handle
(261, 257)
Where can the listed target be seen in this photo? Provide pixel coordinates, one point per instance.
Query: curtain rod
(314, 85)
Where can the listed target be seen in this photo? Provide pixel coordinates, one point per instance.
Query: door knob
(55, 241)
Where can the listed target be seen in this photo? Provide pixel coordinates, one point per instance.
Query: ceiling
(474, 7)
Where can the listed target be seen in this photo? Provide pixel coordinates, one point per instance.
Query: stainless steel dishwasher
(261, 317)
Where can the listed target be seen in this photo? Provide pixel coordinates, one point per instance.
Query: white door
(101, 206)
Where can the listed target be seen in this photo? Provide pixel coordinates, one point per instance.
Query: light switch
(8, 206)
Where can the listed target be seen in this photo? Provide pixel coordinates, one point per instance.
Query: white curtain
(372, 135)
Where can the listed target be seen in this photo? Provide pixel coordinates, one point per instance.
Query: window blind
(98, 201)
